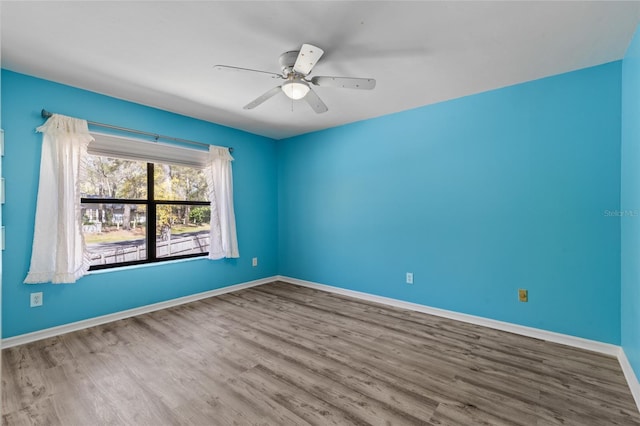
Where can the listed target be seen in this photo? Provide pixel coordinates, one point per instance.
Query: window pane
(114, 178)
(179, 183)
(114, 233)
(182, 230)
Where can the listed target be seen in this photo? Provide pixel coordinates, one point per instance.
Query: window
(137, 212)
(136, 184)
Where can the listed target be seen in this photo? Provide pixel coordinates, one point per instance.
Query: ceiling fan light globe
(295, 89)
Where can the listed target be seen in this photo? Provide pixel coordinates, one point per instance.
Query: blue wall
(630, 202)
(255, 188)
(479, 196)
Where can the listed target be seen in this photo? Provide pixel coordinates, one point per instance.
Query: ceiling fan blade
(260, 99)
(315, 102)
(307, 58)
(238, 69)
(345, 82)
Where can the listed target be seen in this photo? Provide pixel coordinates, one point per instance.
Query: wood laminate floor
(281, 354)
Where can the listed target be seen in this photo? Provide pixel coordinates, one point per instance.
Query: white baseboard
(91, 322)
(630, 375)
(565, 339)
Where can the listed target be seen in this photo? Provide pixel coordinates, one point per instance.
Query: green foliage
(114, 178)
(199, 215)
(165, 217)
(179, 183)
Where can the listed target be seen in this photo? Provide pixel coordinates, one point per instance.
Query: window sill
(145, 265)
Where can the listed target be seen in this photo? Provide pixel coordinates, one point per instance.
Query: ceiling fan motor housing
(287, 61)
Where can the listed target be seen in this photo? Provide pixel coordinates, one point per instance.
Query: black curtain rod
(47, 114)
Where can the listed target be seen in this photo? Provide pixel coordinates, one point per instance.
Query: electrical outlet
(36, 299)
(254, 261)
(409, 277)
(523, 295)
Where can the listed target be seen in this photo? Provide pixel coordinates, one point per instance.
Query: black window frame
(150, 238)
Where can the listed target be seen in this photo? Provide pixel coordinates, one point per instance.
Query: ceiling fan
(296, 66)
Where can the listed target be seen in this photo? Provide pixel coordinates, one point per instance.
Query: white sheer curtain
(224, 241)
(58, 246)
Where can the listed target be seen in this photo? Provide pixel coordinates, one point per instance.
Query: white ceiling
(162, 53)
